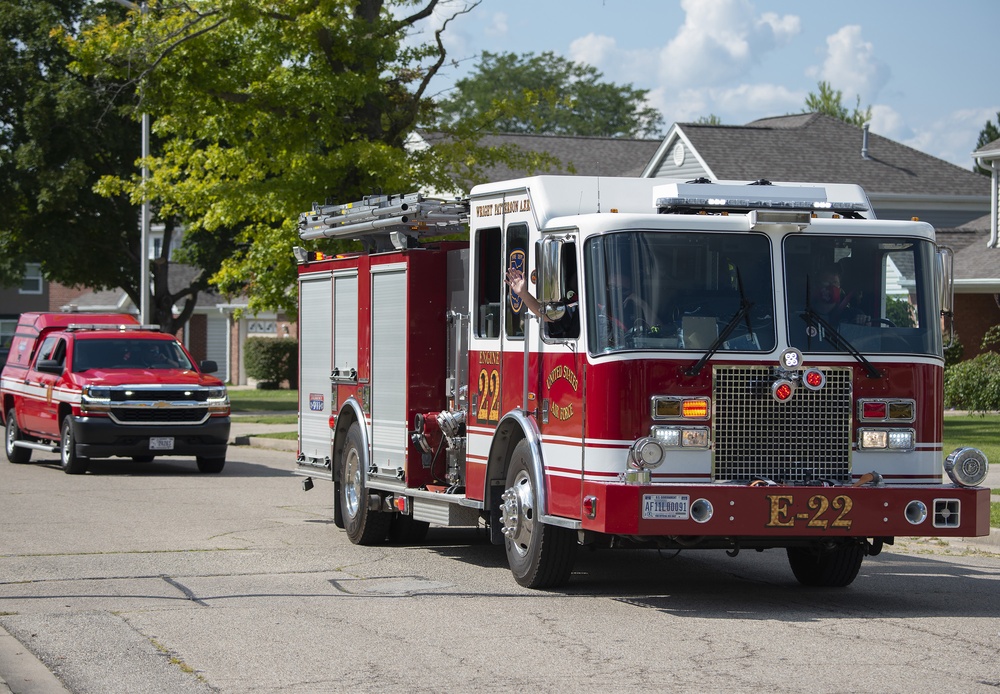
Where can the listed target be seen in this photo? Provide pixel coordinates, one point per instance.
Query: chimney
(864, 140)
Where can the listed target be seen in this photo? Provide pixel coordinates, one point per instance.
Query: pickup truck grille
(806, 438)
(154, 415)
(133, 395)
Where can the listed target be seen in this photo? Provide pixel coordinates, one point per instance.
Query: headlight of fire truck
(95, 400)
(650, 451)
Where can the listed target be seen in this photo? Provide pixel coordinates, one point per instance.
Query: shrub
(953, 353)
(974, 385)
(270, 361)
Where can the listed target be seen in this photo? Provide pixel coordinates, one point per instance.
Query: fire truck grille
(805, 438)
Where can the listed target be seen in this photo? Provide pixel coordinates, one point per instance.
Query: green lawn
(252, 401)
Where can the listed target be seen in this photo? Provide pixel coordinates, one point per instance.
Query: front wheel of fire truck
(540, 555)
(72, 464)
(364, 526)
(827, 567)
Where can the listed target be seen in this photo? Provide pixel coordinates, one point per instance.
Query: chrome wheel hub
(518, 512)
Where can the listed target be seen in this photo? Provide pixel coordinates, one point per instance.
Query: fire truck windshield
(872, 295)
(679, 291)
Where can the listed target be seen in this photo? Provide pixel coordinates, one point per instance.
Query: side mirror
(945, 262)
(49, 366)
(550, 282)
(208, 366)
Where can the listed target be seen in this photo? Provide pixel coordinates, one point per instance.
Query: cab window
(517, 258)
(489, 280)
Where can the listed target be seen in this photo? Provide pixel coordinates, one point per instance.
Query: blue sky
(927, 68)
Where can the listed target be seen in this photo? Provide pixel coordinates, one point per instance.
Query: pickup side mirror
(208, 366)
(49, 366)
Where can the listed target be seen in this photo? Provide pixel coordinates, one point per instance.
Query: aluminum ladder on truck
(385, 222)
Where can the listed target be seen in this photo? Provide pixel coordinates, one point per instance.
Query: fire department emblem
(516, 262)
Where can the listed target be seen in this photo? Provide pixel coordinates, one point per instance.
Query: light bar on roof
(675, 197)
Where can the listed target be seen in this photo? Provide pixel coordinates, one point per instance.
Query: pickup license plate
(665, 506)
(161, 443)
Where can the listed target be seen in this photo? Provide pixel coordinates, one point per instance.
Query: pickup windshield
(679, 291)
(125, 353)
(876, 294)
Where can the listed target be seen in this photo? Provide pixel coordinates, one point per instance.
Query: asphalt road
(155, 578)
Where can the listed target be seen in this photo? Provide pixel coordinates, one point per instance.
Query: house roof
(817, 147)
(990, 150)
(117, 300)
(581, 156)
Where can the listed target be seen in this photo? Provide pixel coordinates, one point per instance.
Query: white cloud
(852, 67)
(498, 26)
(953, 138)
(888, 122)
(594, 49)
(734, 106)
(721, 40)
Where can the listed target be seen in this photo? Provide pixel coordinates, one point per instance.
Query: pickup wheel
(211, 465)
(15, 454)
(540, 555)
(72, 464)
(363, 525)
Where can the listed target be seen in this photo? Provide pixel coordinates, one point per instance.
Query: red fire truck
(718, 365)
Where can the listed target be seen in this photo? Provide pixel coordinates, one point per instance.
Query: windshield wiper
(814, 320)
(742, 312)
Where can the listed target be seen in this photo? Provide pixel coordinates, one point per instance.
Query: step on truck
(709, 365)
(97, 385)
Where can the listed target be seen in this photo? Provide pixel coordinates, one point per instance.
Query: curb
(21, 672)
(265, 442)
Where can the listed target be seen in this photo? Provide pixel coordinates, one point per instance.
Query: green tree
(263, 108)
(989, 133)
(547, 93)
(60, 134)
(829, 101)
(710, 119)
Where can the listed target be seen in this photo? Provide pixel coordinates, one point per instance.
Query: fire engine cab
(719, 365)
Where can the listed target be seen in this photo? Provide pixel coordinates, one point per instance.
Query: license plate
(665, 506)
(161, 443)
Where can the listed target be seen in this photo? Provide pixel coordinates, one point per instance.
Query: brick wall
(974, 315)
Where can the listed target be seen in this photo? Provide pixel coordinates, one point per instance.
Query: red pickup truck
(96, 385)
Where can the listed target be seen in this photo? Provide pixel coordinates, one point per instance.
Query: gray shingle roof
(817, 147)
(992, 149)
(581, 156)
(116, 300)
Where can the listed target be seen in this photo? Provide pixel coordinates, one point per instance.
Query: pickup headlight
(218, 401)
(95, 399)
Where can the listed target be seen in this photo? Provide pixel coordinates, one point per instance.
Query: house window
(32, 282)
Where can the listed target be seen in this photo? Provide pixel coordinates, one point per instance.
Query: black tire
(211, 465)
(362, 525)
(826, 568)
(15, 454)
(539, 555)
(403, 530)
(338, 511)
(142, 458)
(72, 464)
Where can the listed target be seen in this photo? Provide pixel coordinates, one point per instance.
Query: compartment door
(315, 339)
(389, 384)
